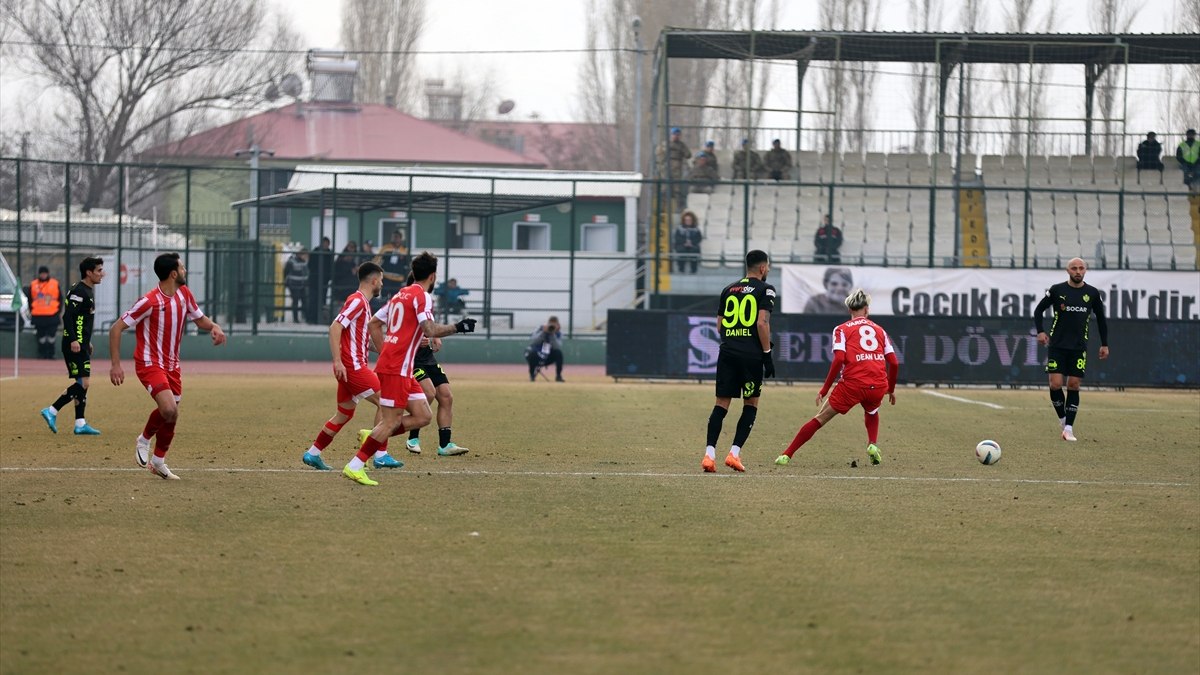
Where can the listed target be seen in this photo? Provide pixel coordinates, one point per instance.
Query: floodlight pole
(637, 94)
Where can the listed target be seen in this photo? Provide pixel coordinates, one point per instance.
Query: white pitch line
(963, 400)
(628, 474)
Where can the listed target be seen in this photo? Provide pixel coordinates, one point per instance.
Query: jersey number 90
(741, 311)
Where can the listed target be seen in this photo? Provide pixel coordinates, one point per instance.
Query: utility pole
(637, 94)
(254, 152)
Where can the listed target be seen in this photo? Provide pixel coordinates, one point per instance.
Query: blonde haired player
(863, 355)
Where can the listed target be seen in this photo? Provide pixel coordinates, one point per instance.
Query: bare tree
(924, 16)
(973, 16)
(608, 79)
(128, 69)
(1023, 85)
(384, 33)
(843, 88)
(1185, 81)
(741, 87)
(1111, 17)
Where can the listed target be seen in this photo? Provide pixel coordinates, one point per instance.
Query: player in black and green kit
(1074, 302)
(77, 346)
(429, 373)
(744, 321)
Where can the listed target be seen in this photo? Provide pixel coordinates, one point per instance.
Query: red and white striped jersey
(402, 317)
(866, 345)
(355, 314)
(158, 320)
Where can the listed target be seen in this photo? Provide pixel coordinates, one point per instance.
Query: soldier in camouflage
(740, 165)
(778, 162)
(704, 175)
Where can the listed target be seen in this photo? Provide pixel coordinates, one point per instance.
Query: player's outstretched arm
(206, 324)
(116, 374)
(893, 373)
(437, 330)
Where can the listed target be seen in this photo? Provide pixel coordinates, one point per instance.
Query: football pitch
(580, 536)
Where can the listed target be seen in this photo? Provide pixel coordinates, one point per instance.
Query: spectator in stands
(450, 297)
(345, 272)
(704, 175)
(320, 271)
(778, 162)
(1188, 155)
(710, 153)
(1149, 154)
(368, 250)
(827, 243)
(686, 243)
(295, 278)
(672, 156)
(838, 282)
(747, 159)
(545, 347)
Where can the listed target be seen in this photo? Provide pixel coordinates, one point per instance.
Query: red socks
(806, 432)
(872, 424)
(162, 441)
(369, 446)
(152, 424)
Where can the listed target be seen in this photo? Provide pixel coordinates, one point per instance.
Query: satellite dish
(506, 106)
(291, 85)
(272, 92)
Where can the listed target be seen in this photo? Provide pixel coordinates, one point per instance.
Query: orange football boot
(708, 464)
(734, 463)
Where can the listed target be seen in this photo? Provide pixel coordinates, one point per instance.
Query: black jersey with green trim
(737, 315)
(1073, 309)
(79, 315)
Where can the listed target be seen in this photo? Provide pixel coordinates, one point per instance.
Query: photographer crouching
(545, 347)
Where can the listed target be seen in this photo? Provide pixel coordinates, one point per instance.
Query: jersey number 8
(868, 339)
(743, 312)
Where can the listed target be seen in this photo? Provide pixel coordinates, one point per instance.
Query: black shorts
(1066, 361)
(79, 364)
(431, 371)
(739, 376)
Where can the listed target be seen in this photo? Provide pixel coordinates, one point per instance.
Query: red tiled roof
(557, 145)
(343, 133)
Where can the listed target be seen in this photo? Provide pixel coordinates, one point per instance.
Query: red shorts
(155, 379)
(846, 395)
(395, 391)
(359, 384)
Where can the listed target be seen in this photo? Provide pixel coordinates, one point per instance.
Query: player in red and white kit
(349, 345)
(158, 318)
(407, 318)
(863, 355)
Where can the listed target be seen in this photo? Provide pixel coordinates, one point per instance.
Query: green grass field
(579, 536)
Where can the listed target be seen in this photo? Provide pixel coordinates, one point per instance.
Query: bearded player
(863, 354)
(349, 345)
(1074, 302)
(407, 318)
(158, 318)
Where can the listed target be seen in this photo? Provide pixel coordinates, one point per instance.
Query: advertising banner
(931, 349)
(982, 293)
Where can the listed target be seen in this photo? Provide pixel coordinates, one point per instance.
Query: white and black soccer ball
(987, 452)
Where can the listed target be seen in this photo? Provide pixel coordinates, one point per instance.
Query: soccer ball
(987, 452)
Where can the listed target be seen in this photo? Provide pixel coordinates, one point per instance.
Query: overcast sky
(547, 84)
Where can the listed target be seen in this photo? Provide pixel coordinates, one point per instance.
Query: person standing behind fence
(672, 158)
(345, 272)
(686, 243)
(747, 164)
(45, 306)
(295, 278)
(320, 271)
(778, 162)
(78, 320)
(827, 243)
(393, 258)
(158, 318)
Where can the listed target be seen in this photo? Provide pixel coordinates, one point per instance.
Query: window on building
(531, 236)
(600, 237)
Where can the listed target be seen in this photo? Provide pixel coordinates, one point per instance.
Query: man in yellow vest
(1188, 155)
(45, 306)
